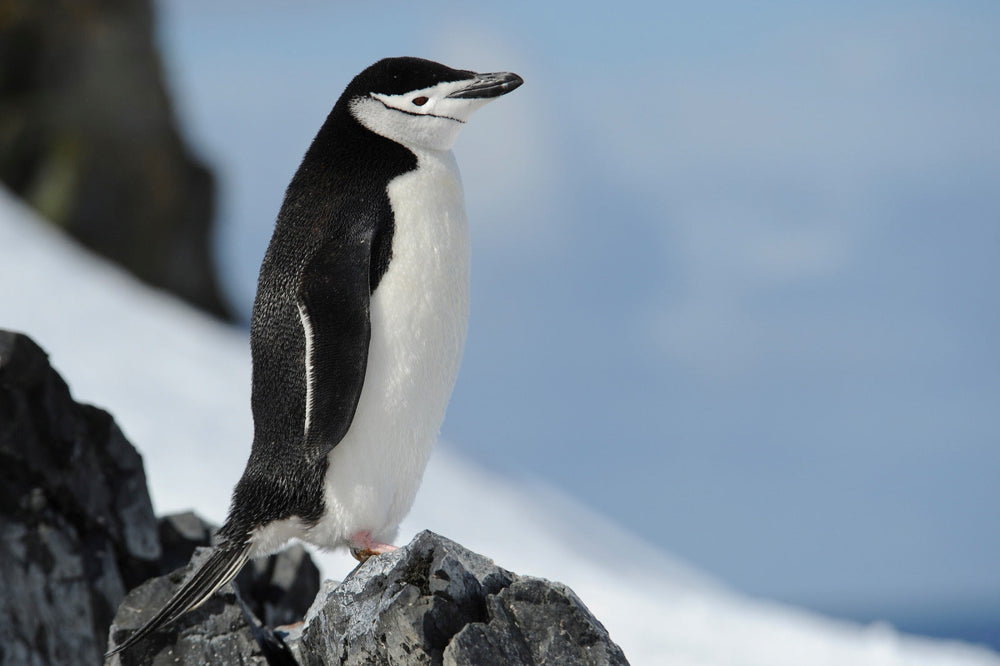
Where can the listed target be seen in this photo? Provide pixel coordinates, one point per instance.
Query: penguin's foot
(286, 629)
(362, 546)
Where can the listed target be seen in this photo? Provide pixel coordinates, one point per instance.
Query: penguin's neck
(430, 226)
(424, 294)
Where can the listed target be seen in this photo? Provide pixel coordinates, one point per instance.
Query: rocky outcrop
(76, 524)
(435, 602)
(88, 138)
(214, 633)
(430, 602)
(77, 529)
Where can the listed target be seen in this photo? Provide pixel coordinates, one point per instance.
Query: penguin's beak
(493, 84)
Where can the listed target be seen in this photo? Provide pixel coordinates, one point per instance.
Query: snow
(178, 384)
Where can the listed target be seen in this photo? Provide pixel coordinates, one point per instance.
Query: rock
(180, 535)
(214, 633)
(430, 602)
(76, 523)
(88, 138)
(278, 589)
(435, 602)
(281, 588)
(77, 531)
(552, 622)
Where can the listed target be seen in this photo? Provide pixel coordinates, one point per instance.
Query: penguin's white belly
(419, 315)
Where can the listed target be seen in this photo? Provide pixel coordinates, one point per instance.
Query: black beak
(489, 85)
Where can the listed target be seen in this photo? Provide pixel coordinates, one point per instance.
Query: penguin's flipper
(334, 300)
(220, 568)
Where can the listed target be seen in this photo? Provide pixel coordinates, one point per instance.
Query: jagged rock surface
(88, 138)
(76, 523)
(430, 602)
(77, 529)
(435, 602)
(277, 589)
(214, 633)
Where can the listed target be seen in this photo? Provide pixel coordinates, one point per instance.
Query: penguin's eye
(420, 101)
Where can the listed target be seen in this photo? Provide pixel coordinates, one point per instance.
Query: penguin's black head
(419, 103)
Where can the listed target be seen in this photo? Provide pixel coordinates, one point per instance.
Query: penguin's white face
(430, 118)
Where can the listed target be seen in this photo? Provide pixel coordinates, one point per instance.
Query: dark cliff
(77, 529)
(88, 137)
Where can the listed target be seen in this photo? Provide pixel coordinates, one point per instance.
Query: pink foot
(362, 546)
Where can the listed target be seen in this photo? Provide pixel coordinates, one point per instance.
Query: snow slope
(178, 384)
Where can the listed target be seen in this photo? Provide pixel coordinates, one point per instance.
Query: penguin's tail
(221, 567)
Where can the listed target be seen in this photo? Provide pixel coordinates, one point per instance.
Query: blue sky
(735, 265)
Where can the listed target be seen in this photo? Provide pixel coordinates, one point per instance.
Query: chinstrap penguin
(358, 325)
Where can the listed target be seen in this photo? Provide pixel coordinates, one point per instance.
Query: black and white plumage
(358, 325)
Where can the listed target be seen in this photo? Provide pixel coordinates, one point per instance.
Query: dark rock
(554, 624)
(77, 531)
(180, 535)
(76, 523)
(214, 633)
(430, 602)
(88, 137)
(434, 602)
(278, 589)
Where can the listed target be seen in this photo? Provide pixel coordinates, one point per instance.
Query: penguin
(358, 324)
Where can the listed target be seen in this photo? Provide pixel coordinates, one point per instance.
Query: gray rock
(554, 624)
(435, 602)
(278, 589)
(76, 523)
(430, 602)
(180, 535)
(77, 530)
(214, 633)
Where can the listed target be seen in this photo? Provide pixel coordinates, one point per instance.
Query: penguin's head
(419, 103)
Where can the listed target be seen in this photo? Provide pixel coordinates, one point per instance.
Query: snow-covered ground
(178, 384)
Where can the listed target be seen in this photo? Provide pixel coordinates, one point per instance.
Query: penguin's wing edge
(334, 299)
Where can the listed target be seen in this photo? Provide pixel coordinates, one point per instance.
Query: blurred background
(735, 266)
